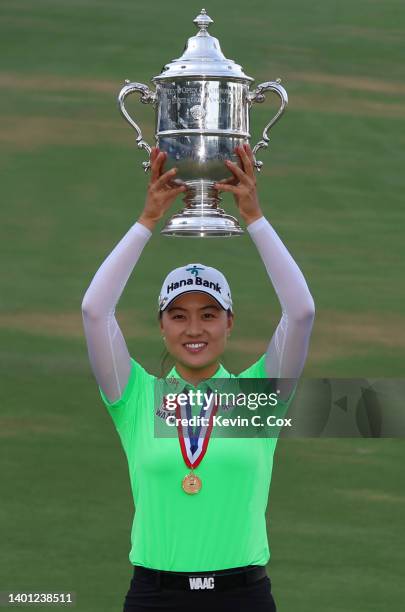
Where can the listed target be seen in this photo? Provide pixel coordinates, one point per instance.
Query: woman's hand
(161, 190)
(243, 185)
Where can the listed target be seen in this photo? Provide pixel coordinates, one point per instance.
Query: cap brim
(195, 291)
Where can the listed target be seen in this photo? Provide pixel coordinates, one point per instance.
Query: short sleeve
(125, 406)
(283, 406)
(256, 370)
(279, 411)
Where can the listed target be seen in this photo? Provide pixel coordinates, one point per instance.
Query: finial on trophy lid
(203, 21)
(202, 56)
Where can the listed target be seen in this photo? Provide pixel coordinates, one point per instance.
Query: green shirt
(221, 526)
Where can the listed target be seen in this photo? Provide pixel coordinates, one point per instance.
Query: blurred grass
(72, 184)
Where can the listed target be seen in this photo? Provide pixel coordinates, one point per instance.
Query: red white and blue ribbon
(194, 445)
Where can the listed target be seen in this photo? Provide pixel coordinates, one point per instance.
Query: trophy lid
(202, 57)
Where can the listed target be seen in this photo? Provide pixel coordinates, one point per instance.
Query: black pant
(144, 596)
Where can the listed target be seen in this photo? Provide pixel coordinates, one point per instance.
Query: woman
(208, 548)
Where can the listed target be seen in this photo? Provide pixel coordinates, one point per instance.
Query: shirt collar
(173, 376)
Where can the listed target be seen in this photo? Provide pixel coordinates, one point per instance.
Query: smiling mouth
(195, 347)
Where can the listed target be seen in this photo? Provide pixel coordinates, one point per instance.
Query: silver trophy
(202, 102)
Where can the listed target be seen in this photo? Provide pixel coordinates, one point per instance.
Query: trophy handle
(148, 97)
(258, 96)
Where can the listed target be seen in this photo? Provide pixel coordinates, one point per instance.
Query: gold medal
(191, 483)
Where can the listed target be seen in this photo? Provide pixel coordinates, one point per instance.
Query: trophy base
(202, 218)
(199, 225)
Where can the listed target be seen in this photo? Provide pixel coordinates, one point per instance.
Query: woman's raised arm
(287, 350)
(107, 349)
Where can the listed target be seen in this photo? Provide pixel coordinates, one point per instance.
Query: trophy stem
(201, 194)
(202, 216)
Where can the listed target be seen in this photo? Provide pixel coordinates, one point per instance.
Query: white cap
(195, 277)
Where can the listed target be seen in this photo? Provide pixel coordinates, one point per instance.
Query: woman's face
(196, 329)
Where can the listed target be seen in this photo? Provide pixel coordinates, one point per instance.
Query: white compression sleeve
(287, 350)
(107, 349)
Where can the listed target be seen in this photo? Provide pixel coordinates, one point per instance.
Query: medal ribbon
(195, 437)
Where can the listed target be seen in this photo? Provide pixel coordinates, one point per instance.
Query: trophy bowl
(202, 102)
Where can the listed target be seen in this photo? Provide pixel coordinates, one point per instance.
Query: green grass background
(72, 184)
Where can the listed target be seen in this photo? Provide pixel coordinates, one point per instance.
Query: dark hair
(164, 369)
